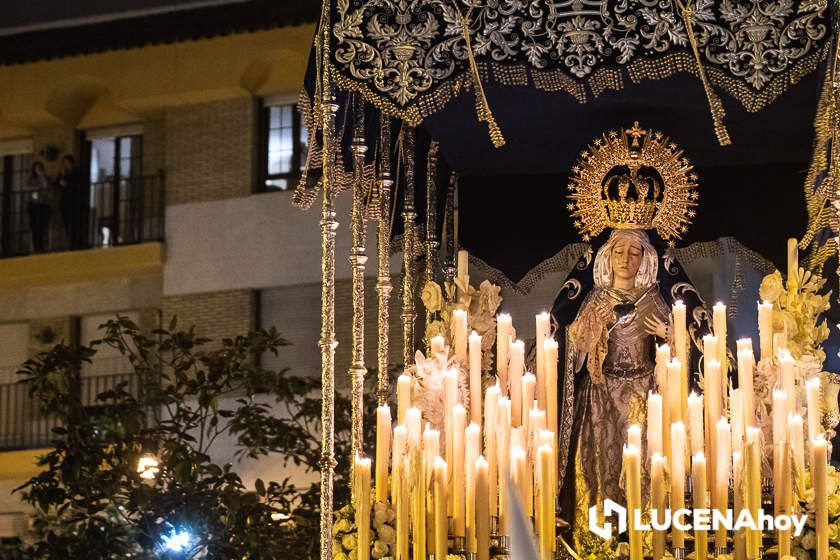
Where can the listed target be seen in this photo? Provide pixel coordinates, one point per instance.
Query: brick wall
(209, 151)
(216, 314)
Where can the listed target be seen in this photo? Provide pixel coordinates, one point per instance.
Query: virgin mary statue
(630, 181)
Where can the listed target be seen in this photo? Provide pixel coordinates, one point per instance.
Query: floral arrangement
(480, 304)
(804, 546)
(797, 310)
(383, 533)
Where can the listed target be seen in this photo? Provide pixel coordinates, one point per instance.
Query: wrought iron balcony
(118, 211)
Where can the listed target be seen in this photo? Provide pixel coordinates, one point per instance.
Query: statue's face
(626, 258)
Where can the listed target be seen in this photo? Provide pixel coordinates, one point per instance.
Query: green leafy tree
(92, 503)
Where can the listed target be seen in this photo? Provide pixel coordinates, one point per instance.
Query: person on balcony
(73, 201)
(39, 207)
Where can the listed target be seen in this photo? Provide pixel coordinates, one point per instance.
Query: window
(16, 231)
(115, 166)
(283, 145)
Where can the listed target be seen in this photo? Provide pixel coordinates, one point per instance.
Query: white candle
(674, 383)
(362, 480)
(658, 465)
(677, 477)
(746, 362)
(634, 436)
(819, 470)
(787, 380)
(739, 537)
(475, 377)
(752, 476)
(529, 383)
(473, 450)
(403, 397)
(383, 450)
(503, 462)
(431, 447)
(459, 334)
(710, 348)
(654, 424)
(633, 490)
(736, 401)
(695, 422)
(440, 498)
(536, 423)
(765, 329)
(814, 400)
(456, 473)
(792, 264)
(397, 453)
(482, 504)
(437, 345)
(681, 351)
(783, 494)
(517, 369)
(543, 328)
(698, 491)
(797, 444)
(503, 330)
(399, 479)
(550, 347)
(722, 462)
(413, 427)
(719, 326)
(546, 500)
(491, 414)
(450, 399)
(463, 264)
(713, 408)
(518, 460)
(780, 413)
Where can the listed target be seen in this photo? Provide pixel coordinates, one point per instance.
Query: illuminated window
(283, 145)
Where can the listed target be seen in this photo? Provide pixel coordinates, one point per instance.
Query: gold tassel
(715, 104)
(482, 107)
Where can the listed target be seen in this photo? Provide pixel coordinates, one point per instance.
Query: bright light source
(147, 466)
(277, 516)
(177, 542)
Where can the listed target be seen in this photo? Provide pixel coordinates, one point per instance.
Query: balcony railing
(118, 211)
(22, 426)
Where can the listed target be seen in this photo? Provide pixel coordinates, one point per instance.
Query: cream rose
(431, 296)
(771, 287)
(488, 296)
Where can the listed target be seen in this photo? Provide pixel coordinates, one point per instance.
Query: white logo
(693, 519)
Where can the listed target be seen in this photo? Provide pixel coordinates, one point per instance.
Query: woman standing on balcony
(72, 201)
(39, 208)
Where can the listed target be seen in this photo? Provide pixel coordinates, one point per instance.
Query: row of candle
(717, 448)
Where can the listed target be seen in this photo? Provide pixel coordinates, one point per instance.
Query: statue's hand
(656, 327)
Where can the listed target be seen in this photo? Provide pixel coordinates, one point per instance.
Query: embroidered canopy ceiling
(410, 57)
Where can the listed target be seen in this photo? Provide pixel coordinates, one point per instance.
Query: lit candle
(413, 425)
(695, 422)
(654, 424)
(713, 408)
(677, 477)
(437, 345)
(383, 450)
(634, 436)
(792, 265)
(516, 370)
(529, 383)
(765, 329)
(440, 499)
(546, 501)
(787, 380)
(752, 475)
(431, 447)
(657, 485)
(797, 444)
(746, 362)
(450, 399)
(503, 462)
(491, 414)
(681, 351)
(698, 491)
(457, 495)
(543, 328)
(633, 489)
(473, 450)
(362, 480)
(724, 456)
(475, 378)
(739, 537)
(736, 402)
(398, 452)
(503, 331)
(813, 399)
(820, 482)
(482, 505)
(403, 397)
(536, 423)
(780, 412)
(550, 347)
(674, 381)
(719, 326)
(459, 335)
(663, 356)
(518, 462)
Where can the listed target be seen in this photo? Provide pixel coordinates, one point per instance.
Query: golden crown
(633, 179)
